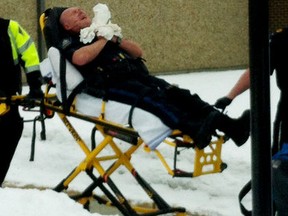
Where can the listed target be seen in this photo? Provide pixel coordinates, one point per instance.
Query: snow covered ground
(55, 157)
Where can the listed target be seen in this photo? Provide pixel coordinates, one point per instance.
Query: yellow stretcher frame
(111, 132)
(93, 160)
(203, 159)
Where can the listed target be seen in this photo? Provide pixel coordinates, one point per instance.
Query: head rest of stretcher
(52, 67)
(52, 30)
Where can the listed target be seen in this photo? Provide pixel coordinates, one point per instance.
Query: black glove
(222, 103)
(35, 94)
(32, 96)
(34, 79)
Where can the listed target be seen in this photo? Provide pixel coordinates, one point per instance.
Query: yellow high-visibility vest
(23, 47)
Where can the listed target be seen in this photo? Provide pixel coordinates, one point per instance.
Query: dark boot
(237, 129)
(207, 129)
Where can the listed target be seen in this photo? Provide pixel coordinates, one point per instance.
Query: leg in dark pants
(170, 104)
(179, 109)
(11, 127)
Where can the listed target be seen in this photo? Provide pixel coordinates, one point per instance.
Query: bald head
(73, 19)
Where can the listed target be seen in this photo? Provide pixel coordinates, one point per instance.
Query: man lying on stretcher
(113, 70)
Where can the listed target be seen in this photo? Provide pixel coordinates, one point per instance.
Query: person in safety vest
(17, 52)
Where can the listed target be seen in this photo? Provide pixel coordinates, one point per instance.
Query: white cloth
(88, 34)
(101, 25)
(149, 127)
(102, 14)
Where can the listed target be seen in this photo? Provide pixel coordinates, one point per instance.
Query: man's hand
(105, 31)
(222, 103)
(35, 94)
(34, 80)
(32, 96)
(116, 28)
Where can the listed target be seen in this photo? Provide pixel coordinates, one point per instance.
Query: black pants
(130, 83)
(11, 127)
(177, 108)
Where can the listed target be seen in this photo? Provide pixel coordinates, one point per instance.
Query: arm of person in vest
(25, 54)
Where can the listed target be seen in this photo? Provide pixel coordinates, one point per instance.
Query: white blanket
(149, 127)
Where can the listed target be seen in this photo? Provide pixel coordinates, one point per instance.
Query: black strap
(67, 101)
(63, 85)
(244, 191)
(130, 115)
(140, 96)
(75, 91)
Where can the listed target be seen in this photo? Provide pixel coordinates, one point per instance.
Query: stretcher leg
(206, 160)
(92, 161)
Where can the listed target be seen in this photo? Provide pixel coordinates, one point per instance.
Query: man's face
(74, 19)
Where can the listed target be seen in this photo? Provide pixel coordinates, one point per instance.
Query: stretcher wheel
(86, 205)
(223, 166)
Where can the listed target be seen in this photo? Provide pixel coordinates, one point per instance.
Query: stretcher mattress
(149, 127)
